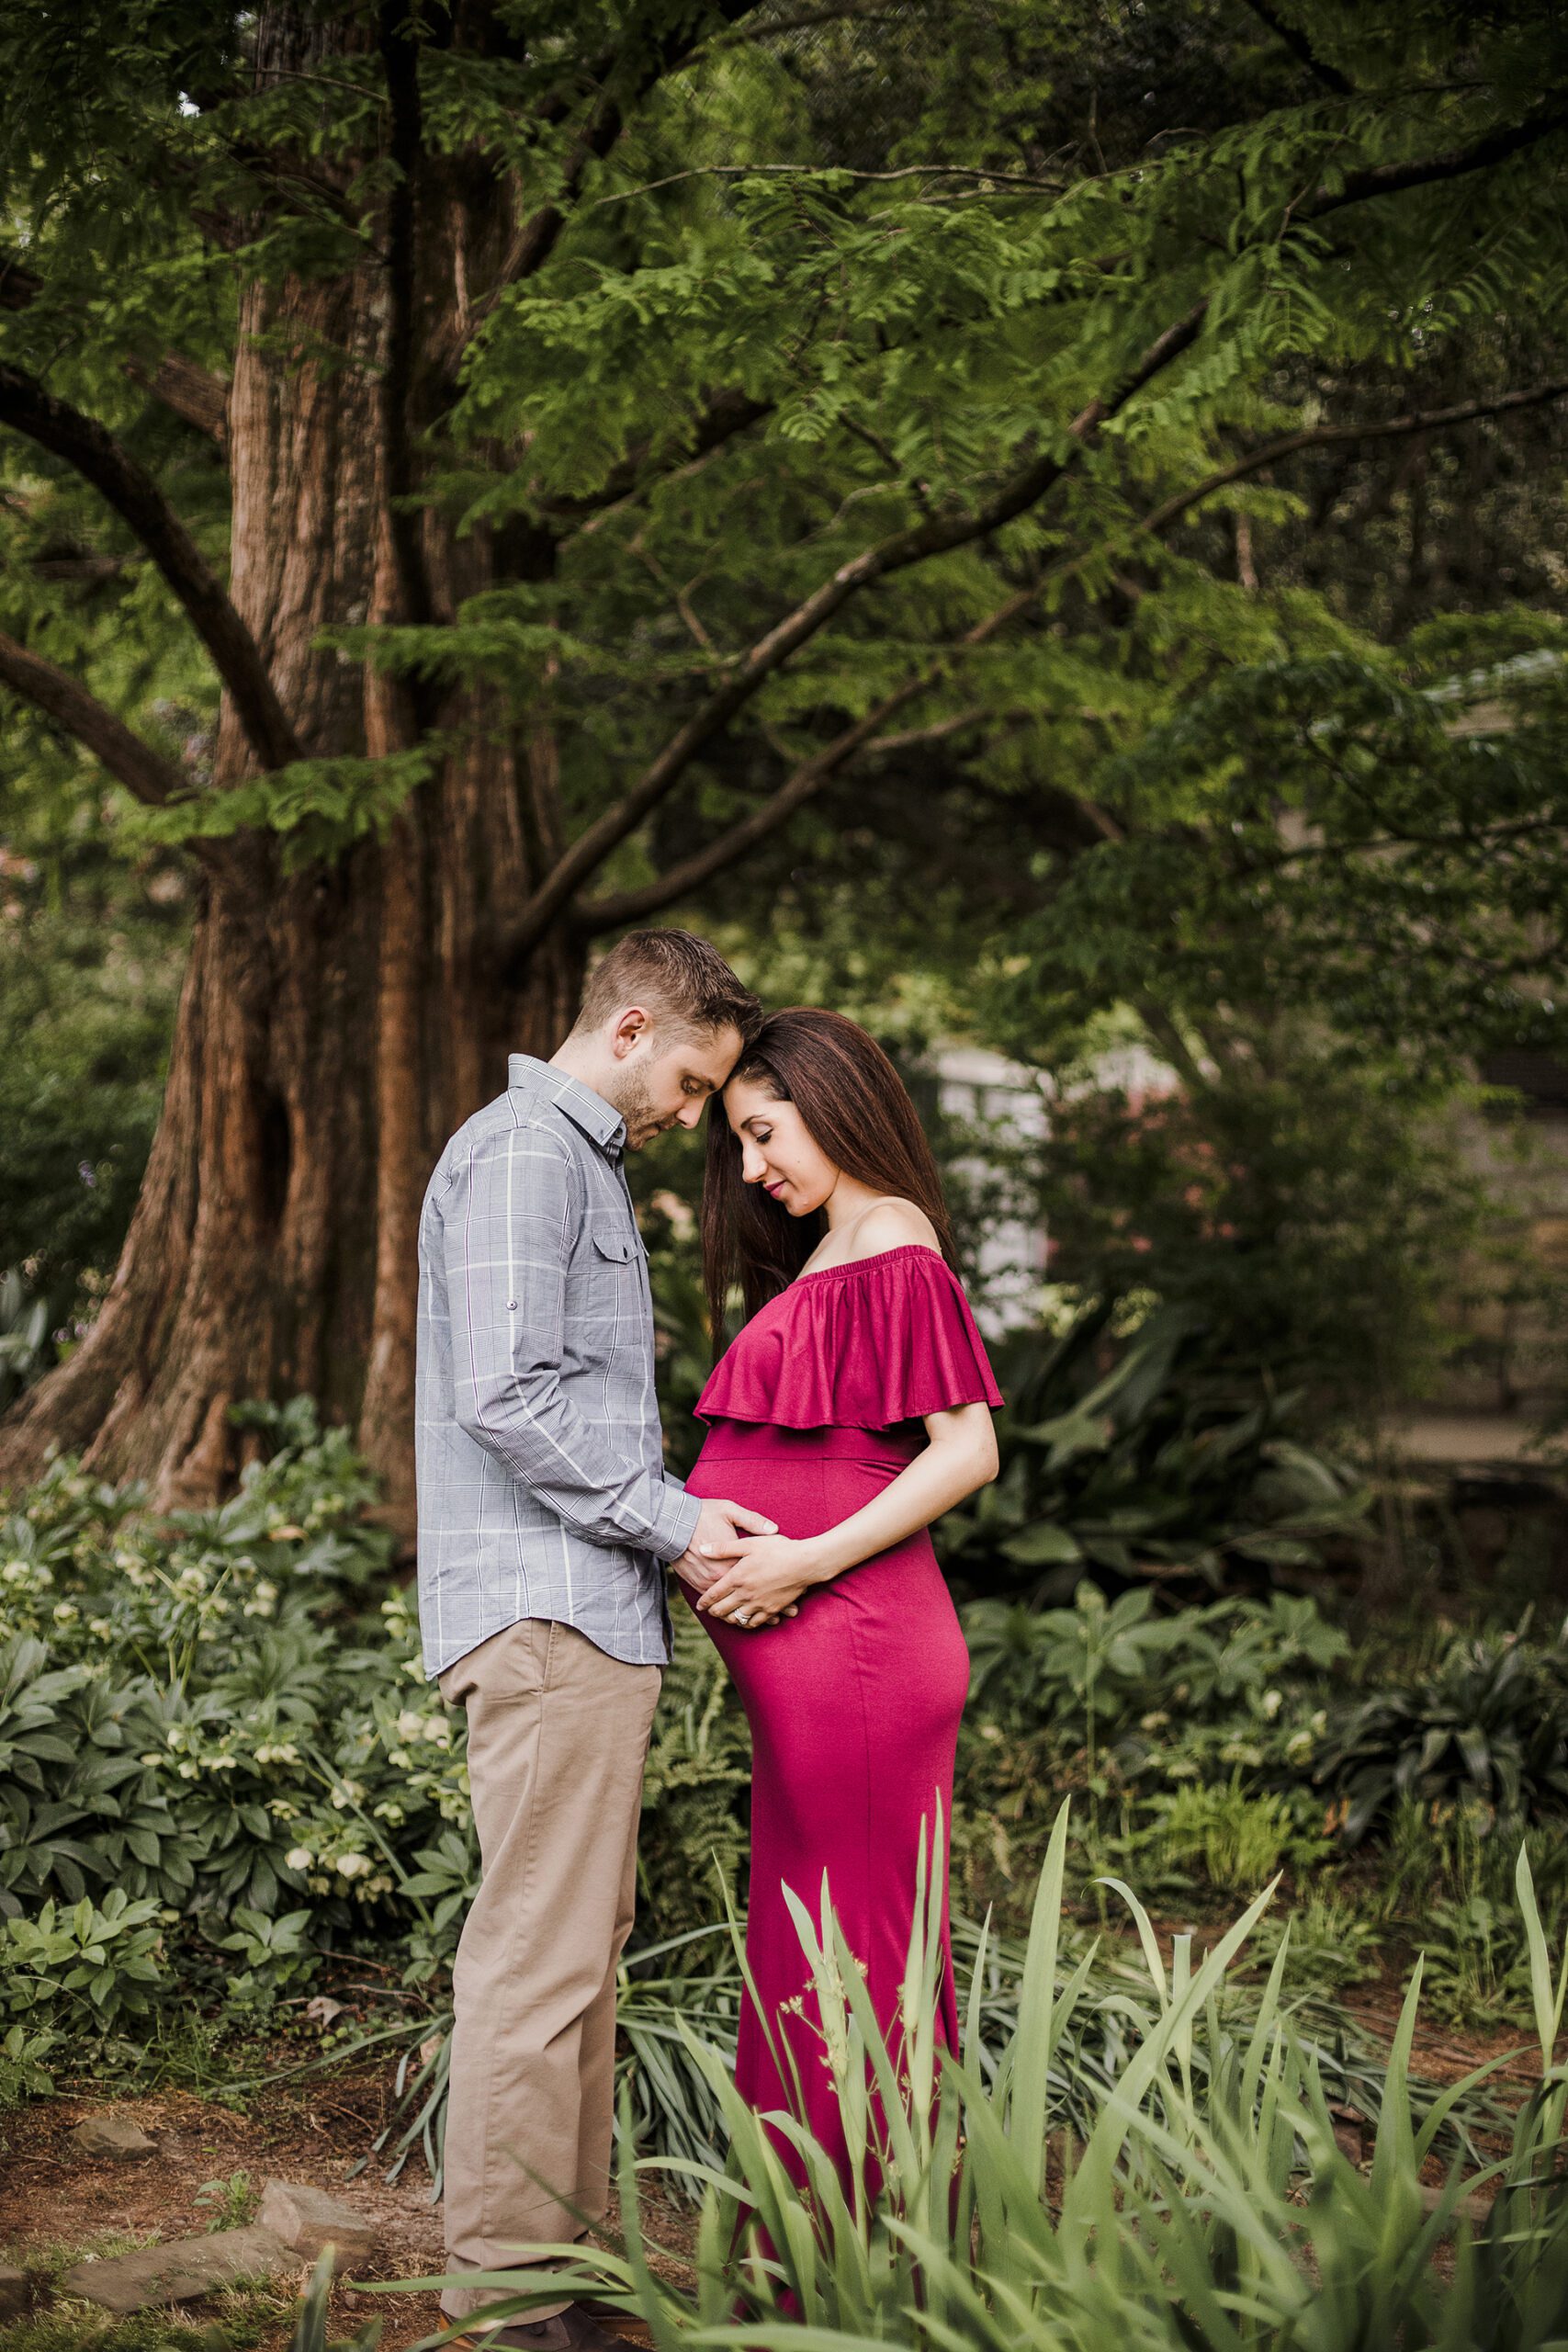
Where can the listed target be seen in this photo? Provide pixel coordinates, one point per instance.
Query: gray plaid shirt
(542, 1491)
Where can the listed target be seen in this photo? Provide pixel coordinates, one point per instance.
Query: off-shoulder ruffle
(861, 1346)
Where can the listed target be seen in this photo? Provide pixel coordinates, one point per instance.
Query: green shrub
(85, 1964)
(1207, 2206)
(1235, 1839)
(1159, 1463)
(23, 2073)
(1490, 1724)
(1112, 1666)
(225, 1716)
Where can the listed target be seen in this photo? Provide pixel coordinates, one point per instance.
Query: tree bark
(336, 1023)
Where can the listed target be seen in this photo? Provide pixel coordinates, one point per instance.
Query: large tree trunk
(336, 1022)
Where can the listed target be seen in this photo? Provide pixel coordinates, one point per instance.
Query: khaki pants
(557, 1738)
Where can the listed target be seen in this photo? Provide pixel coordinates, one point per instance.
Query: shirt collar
(600, 1121)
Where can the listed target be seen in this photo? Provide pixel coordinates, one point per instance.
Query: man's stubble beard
(633, 1098)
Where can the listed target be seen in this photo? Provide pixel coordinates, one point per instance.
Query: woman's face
(776, 1149)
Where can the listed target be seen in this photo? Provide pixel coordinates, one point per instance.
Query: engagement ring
(741, 1618)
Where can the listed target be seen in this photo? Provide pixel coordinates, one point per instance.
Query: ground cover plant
(224, 1778)
(1194, 2195)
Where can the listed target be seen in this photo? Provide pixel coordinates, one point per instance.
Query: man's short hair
(680, 978)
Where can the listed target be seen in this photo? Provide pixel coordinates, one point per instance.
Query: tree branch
(129, 760)
(191, 390)
(85, 444)
(536, 234)
(865, 739)
(1296, 41)
(942, 534)
(1392, 179)
(727, 848)
(936, 536)
(728, 413)
(1159, 518)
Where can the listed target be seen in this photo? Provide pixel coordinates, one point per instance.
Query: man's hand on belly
(716, 1540)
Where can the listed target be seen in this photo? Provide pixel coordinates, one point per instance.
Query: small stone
(180, 2272)
(14, 2292)
(308, 2219)
(111, 2135)
(1476, 2211)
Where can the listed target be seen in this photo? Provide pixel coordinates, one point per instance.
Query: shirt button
(511, 1307)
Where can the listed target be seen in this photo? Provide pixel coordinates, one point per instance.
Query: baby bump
(807, 1480)
(884, 1633)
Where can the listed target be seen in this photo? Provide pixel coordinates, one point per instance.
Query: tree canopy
(930, 458)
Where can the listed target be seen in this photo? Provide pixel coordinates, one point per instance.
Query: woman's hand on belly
(763, 1583)
(751, 1618)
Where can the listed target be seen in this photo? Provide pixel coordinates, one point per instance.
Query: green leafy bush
(1206, 2206)
(102, 1961)
(224, 1715)
(1491, 1722)
(1111, 1665)
(1157, 1464)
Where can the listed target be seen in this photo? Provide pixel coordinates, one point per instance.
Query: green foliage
(1308, 1217)
(23, 2074)
(207, 1718)
(311, 2326)
(1209, 2204)
(1489, 1724)
(1114, 1663)
(229, 2203)
(696, 1791)
(1159, 1463)
(101, 1960)
(1238, 1840)
(89, 962)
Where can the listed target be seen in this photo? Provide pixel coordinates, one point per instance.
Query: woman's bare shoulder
(892, 1224)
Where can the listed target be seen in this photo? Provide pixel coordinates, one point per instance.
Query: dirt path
(51, 2195)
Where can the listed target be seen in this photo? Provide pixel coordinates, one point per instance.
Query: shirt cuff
(675, 1523)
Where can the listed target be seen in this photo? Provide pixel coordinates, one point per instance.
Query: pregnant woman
(853, 1408)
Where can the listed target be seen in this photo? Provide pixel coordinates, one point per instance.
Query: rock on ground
(107, 2135)
(308, 2219)
(180, 2272)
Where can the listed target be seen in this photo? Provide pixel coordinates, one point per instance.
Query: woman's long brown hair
(856, 1108)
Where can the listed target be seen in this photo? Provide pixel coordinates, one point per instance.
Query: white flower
(299, 1857)
(355, 1865)
(101, 1626)
(1272, 1703)
(409, 1725)
(66, 1613)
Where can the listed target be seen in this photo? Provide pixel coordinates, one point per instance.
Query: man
(544, 1514)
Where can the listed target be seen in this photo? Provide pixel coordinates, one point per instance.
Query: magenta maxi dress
(854, 1704)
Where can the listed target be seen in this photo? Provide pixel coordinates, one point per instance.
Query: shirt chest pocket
(612, 1299)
